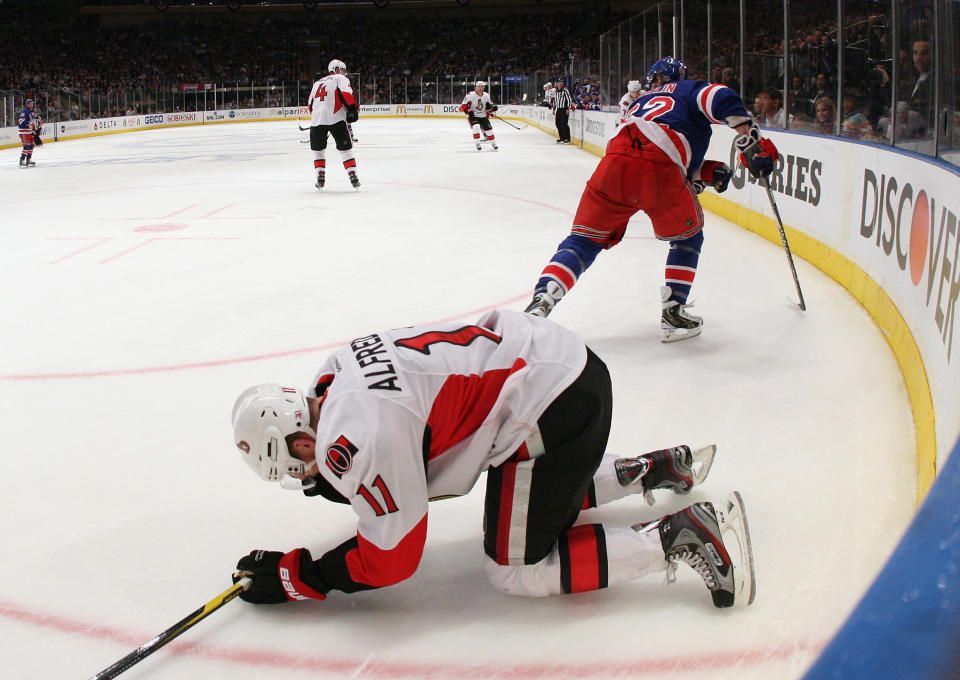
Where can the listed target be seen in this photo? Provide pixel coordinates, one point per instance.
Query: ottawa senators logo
(340, 456)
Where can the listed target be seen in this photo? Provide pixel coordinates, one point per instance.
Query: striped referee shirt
(563, 102)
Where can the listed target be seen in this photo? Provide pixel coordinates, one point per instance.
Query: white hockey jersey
(476, 103)
(415, 414)
(550, 96)
(626, 103)
(328, 99)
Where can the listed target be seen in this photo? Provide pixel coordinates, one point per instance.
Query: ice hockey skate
(545, 300)
(715, 542)
(354, 180)
(675, 322)
(321, 179)
(677, 469)
(479, 147)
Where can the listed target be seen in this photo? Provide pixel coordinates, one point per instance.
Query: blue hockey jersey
(25, 120)
(677, 117)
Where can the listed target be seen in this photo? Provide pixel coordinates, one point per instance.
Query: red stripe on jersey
(522, 453)
(348, 98)
(462, 404)
(507, 484)
(584, 561)
(705, 105)
(562, 274)
(681, 274)
(319, 163)
(677, 142)
(374, 566)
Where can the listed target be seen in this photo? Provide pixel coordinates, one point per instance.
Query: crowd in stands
(811, 101)
(76, 54)
(98, 67)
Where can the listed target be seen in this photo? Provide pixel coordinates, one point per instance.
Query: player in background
(634, 90)
(549, 95)
(26, 126)
(477, 106)
(332, 106)
(399, 418)
(654, 162)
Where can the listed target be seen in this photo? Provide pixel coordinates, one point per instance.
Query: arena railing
(54, 103)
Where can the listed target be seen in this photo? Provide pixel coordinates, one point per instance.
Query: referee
(561, 114)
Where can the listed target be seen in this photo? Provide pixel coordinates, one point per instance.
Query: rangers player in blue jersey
(655, 162)
(26, 124)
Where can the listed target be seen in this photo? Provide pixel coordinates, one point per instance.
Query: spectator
(730, 79)
(771, 113)
(909, 125)
(826, 115)
(920, 88)
(855, 123)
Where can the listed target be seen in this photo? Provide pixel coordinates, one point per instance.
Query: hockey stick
(504, 120)
(191, 619)
(783, 238)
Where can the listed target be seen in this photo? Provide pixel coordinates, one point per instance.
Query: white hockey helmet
(263, 417)
(336, 64)
(548, 86)
(481, 83)
(634, 86)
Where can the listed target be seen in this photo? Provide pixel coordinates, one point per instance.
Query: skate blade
(702, 462)
(677, 334)
(732, 518)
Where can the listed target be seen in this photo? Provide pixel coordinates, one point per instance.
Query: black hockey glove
(756, 153)
(713, 174)
(280, 577)
(353, 114)
(492, 107)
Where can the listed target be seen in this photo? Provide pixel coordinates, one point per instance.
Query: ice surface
(148, 278)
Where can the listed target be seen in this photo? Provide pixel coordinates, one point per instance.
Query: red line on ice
(226, 362)
(331, 664)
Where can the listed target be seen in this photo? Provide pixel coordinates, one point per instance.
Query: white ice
(149, 277)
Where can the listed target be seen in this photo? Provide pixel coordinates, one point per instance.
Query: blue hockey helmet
(669, 69)
(29, 101)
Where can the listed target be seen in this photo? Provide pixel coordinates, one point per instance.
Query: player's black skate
(715, 542)
(678, 469)
(321, 179)
(23, 161)
(31, 163)
(675, 322)
(545, 300)
(354, 181)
